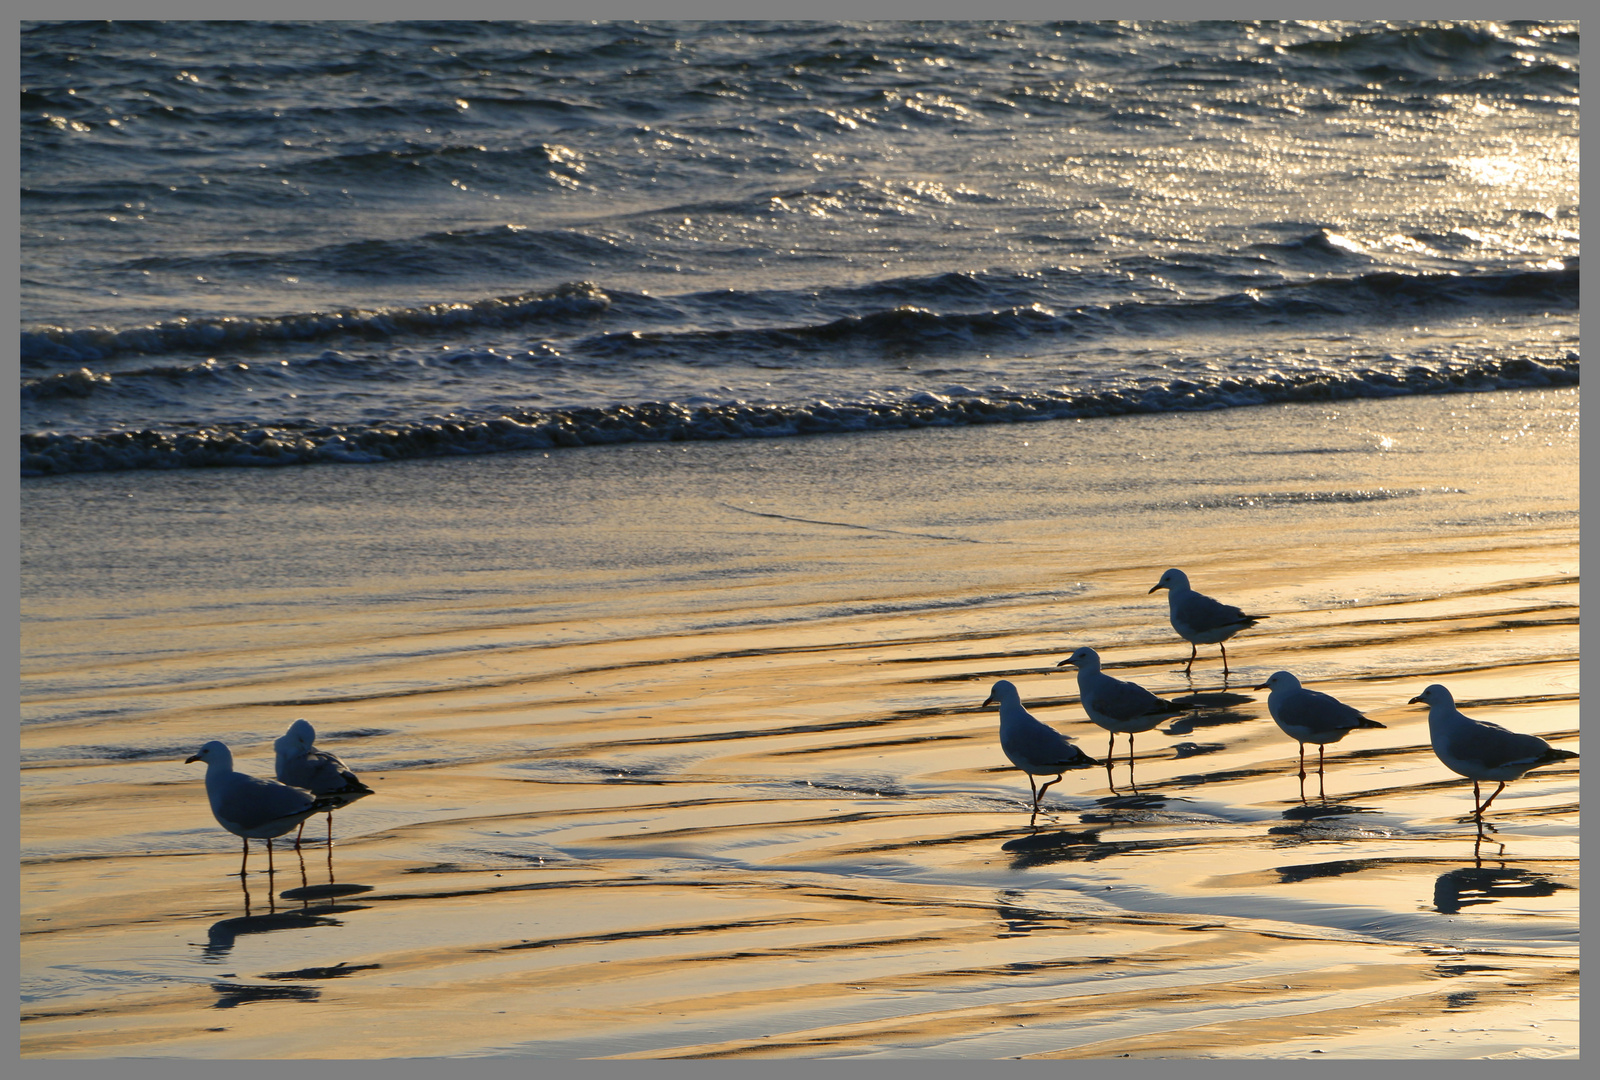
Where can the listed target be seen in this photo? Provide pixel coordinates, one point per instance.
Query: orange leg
(1485, 806)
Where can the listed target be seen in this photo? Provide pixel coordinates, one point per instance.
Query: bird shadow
(1190, 722)
(1471, 886)
(1315, 811)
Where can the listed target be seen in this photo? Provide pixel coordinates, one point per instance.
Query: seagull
(1480, 750)
(1117, 705)
(1310, 716)
(1033, 747)
(301, 765)
(1200, 620)
(248, 806)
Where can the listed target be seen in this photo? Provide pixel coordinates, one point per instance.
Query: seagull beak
(1263, 686)
(1416, 701)
(1154, 587)
(987, 702)
(188, 760)
(1065, 662)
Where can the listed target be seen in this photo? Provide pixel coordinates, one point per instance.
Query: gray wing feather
(321, 773)
(1323, 712)
(1126, 700)
(1495, 745)
(251, 802)
(1204, 613)
(1043, 744)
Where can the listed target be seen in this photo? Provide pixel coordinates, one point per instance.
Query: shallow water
(678, 751)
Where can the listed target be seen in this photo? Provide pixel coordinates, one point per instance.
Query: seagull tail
(1370, 723)
(1554, 754)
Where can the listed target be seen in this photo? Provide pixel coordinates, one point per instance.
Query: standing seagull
(302, 765)
(1200, 620)
(1310, 716)
(1117, 706)
(1480, 750)
(248, 806)
(1033, 747)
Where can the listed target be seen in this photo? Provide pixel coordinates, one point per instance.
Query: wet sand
(678, 750)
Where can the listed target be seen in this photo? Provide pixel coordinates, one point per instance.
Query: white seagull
(302, 765)
(1480, 750)
(1033, 747)
(248, 806)
(1117, 705)
(1200, 620)
(1310, 716)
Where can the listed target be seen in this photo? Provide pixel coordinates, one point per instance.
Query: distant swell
(180, 335)
(1375, 298)
(265, 445)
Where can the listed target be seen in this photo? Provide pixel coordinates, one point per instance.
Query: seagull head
(1280, 680)
(1172, 579)
(299, 737)
(1433, 695)
(211, 753)
(1001, 693)
(1083, 658)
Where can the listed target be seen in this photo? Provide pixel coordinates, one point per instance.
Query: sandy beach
(678, 748)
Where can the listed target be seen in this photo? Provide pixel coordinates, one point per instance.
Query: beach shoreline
(708, 715)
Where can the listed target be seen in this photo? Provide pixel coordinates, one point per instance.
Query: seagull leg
(1322, 789)
(270, 870)
(330, 828)
(1497, 791)
(1194, 651)
(246, 859)
(1131, 781)
(1302, 772)
(1224, 649)
(1034, 790)
(298, 835)
(1046, 788)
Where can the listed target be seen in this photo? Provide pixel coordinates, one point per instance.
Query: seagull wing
(1129, 701)
(252, 803)
(1203, 613)
(1494, 745)
(1042, 745)
(1323, 712)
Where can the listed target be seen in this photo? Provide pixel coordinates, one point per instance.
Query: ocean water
(263, 243)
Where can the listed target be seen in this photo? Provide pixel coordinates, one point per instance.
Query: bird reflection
(1216, 713)
(1471, 886)
(308, 892)
(225, 933)
(1288, 875)
(1044, 848)
(1315, 821)
(1041, 847)
(230, 995)
(1019, 921)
